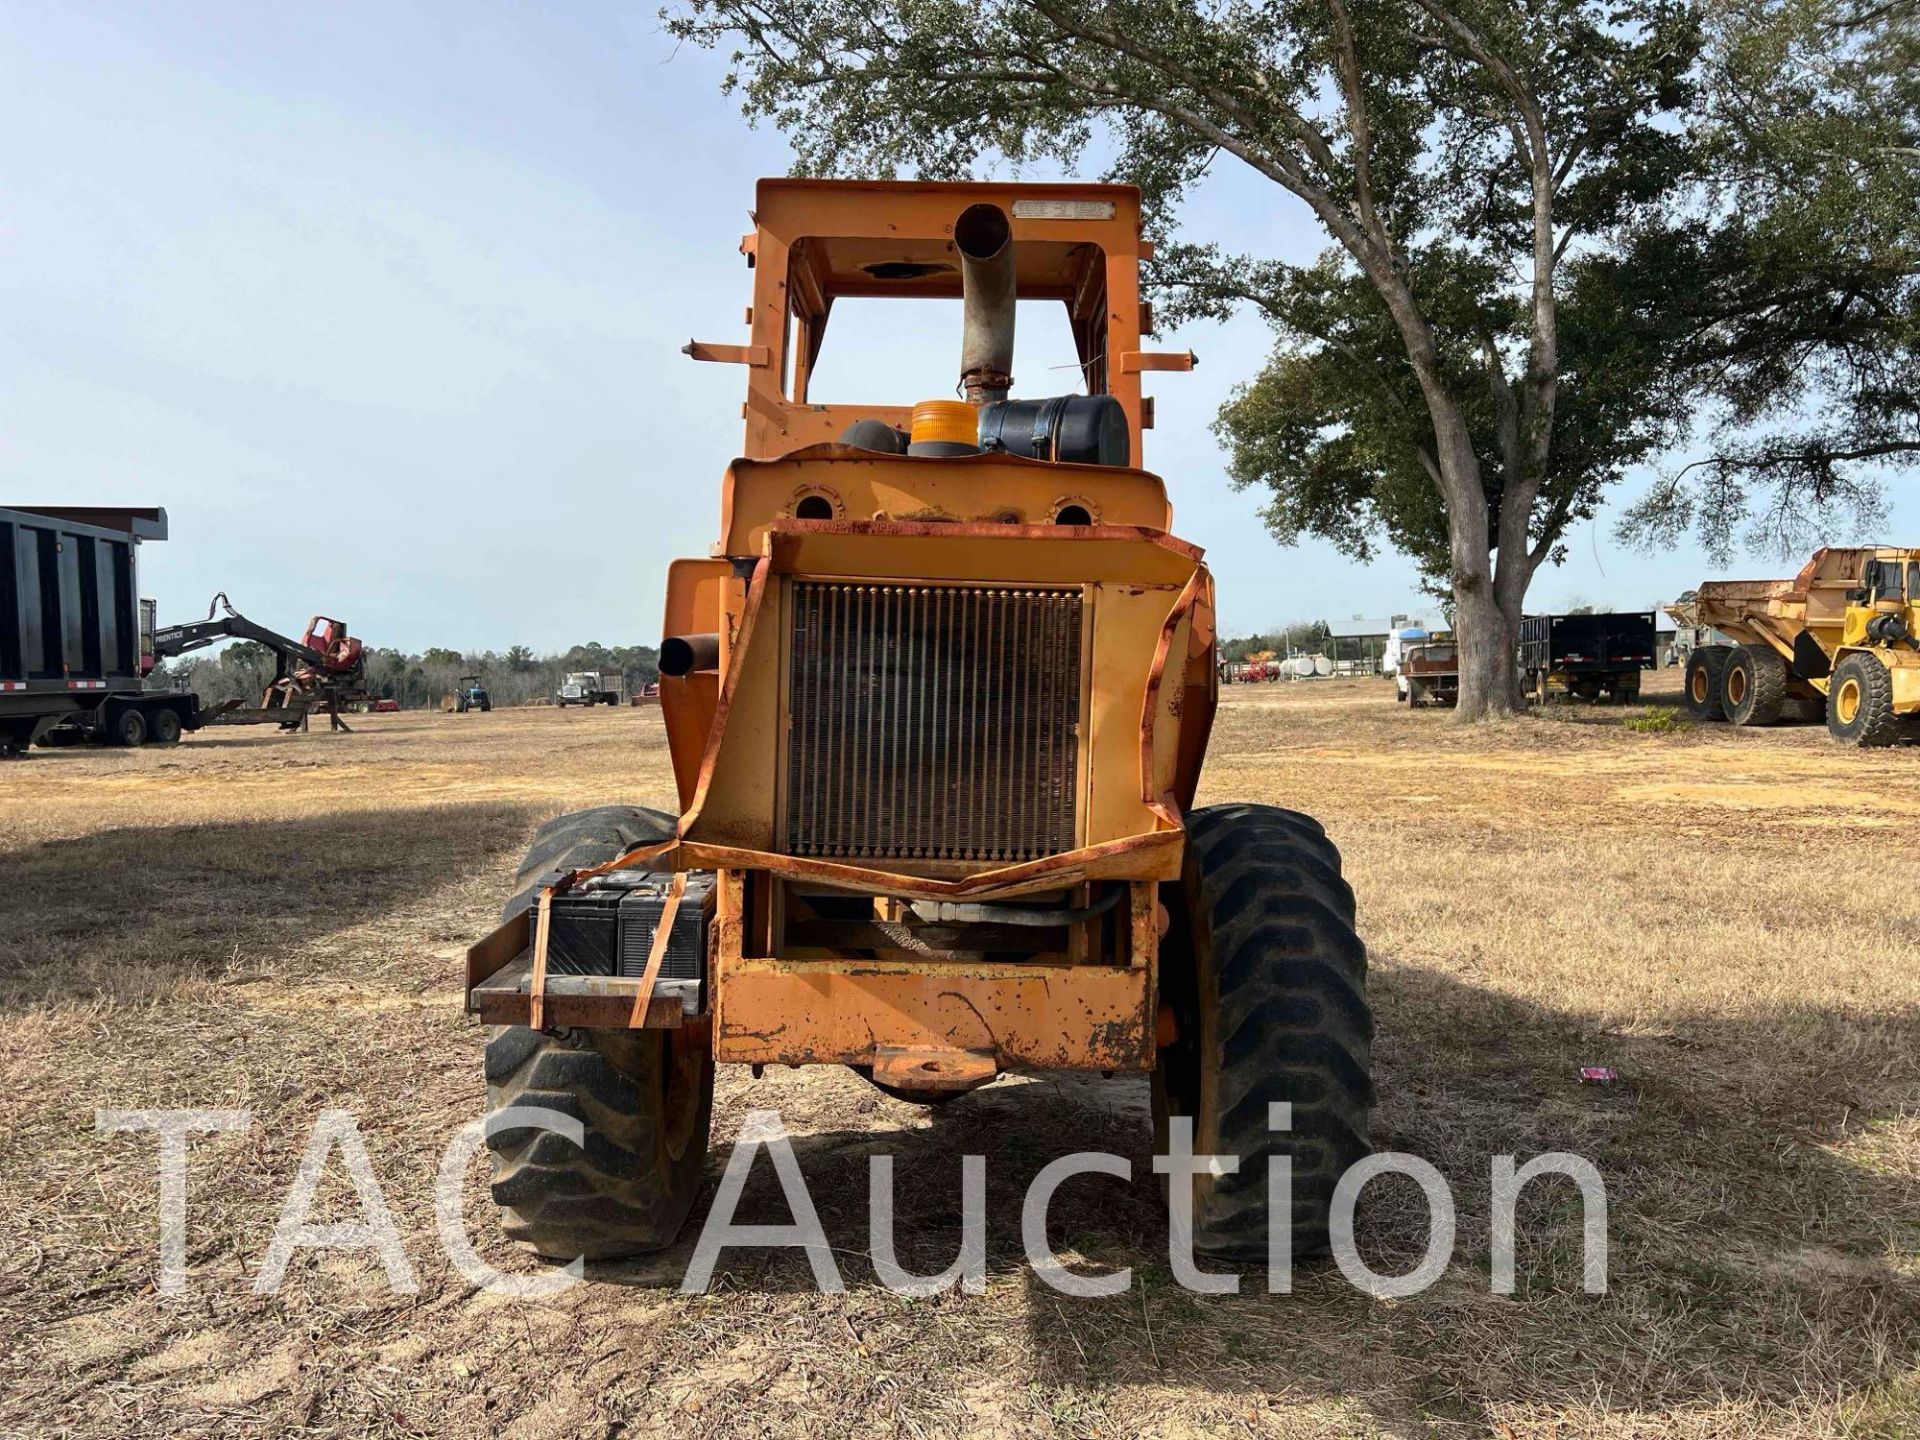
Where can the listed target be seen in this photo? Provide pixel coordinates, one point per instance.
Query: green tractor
(469, 694)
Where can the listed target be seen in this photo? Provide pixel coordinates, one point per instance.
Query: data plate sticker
(1063, 210)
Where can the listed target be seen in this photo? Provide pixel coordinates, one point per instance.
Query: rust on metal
(757, 356)
(495, 951)
(606, 1002)
(934, 1070)
(1027, 1016)
(1051, 534)
(1133, 362)
(657, 952)
(983, 489)
(537, 987)
(1145, 923)
(1162, 802)
(815, 243)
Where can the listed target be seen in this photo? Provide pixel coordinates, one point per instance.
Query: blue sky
(384, 305)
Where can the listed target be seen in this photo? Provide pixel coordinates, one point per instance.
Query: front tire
(1860, 703)
(644, 1097)
(1267, 979)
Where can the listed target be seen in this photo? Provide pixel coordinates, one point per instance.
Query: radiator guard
(932, 722)
(1146, 699)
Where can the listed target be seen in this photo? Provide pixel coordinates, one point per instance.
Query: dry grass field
(1729, 919)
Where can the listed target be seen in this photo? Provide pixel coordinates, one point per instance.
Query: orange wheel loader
(937, 704)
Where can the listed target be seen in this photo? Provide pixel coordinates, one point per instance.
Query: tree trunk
(1510, 596)
(1485, 641)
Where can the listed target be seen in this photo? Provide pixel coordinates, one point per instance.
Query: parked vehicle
(468, 694)
(1587, 656)
(1425, 666)
(1396, 643)
(76, 641)
(1429, 672)
(592, 687)
(1842, 637)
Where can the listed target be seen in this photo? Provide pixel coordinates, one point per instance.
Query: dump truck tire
(164, 727)
(1754, 685)
(127, 726)
(1860, 703)
(644, 1097)
(1706, 682)
(1267, 981)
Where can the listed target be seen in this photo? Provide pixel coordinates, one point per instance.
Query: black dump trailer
(1589, 656)
(75, 637)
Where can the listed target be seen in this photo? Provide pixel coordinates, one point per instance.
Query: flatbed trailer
(76, 641)
(1840, 637)
(1587, 656)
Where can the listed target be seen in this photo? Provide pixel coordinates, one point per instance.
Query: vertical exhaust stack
(984, 237)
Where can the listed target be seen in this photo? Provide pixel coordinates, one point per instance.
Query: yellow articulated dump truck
(937, 704)
(1840, 637)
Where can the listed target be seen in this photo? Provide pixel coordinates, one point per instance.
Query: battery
(608, 929)
(683, 967)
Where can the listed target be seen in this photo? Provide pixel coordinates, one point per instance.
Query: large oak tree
(1512, 192)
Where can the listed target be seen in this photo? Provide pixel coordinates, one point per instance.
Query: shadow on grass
(1750, 1228)
(127, 913)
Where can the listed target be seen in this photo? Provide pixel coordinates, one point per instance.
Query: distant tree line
(1309, 636)
(517, 676)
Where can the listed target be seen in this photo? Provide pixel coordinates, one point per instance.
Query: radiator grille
(932, 722)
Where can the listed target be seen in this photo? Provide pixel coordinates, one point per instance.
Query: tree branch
(1359, 124)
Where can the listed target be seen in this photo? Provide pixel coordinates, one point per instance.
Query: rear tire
(1706, 681)
(164, 727)
(1754, 685)
(645, 1097)
(1860, 703)
(1267, 981)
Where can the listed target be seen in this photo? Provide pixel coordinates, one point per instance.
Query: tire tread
(1293, 1025)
